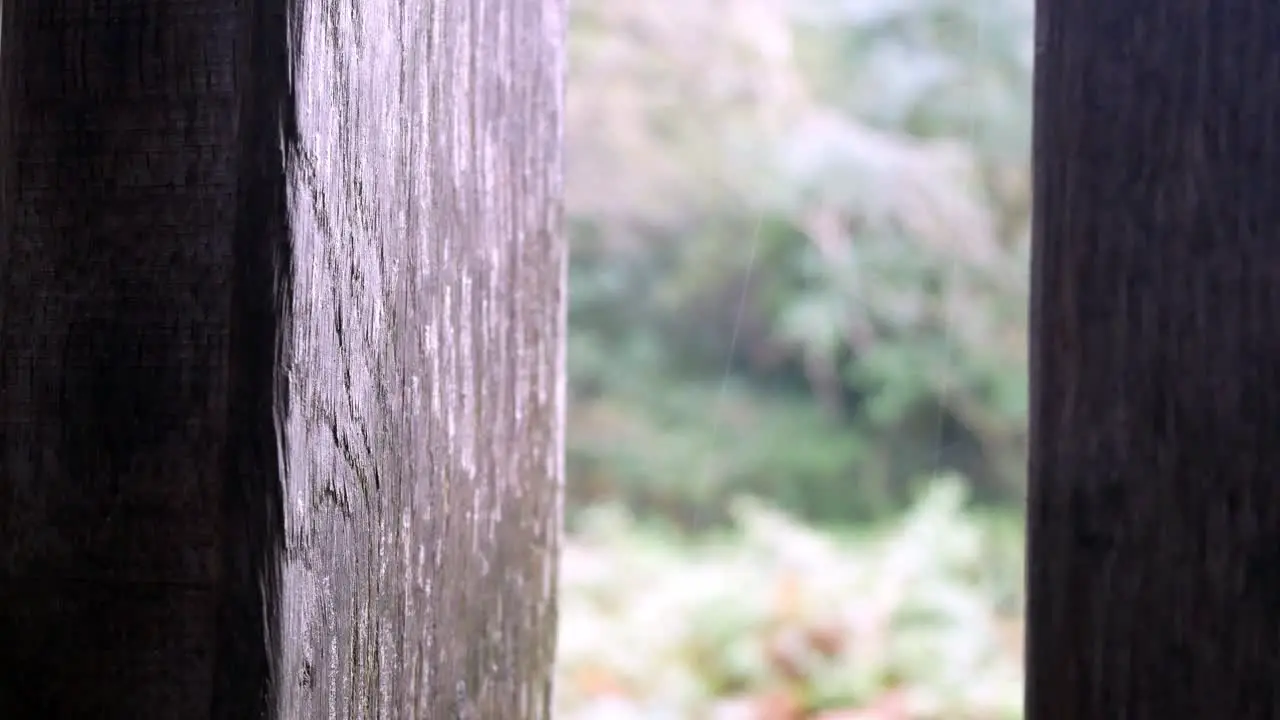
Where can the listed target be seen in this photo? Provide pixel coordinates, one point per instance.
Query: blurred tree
(822, 202)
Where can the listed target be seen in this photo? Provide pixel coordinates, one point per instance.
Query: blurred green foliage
(915, 620)
(799, 252)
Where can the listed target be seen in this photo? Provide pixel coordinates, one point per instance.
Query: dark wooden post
(1154, 574)
(281, 342)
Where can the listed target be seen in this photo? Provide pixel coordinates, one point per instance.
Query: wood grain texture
(117, 207)
(1154, 575)
(281, 358)
(423, 356)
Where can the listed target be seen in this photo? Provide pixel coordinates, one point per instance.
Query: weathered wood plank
(423, 352)
(280, 358)
(1154, 575)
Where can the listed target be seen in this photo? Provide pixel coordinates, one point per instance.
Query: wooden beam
(281, 358)
(1154, 572)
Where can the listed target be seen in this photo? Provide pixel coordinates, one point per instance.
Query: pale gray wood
(424, 356)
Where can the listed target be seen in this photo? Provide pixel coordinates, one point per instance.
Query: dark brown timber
(281, 341)
(1154, 574)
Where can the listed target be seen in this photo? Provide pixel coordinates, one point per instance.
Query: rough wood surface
(1154, 576)
(280, 358)
(423, 357)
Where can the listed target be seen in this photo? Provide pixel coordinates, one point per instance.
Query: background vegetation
(799, 274)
